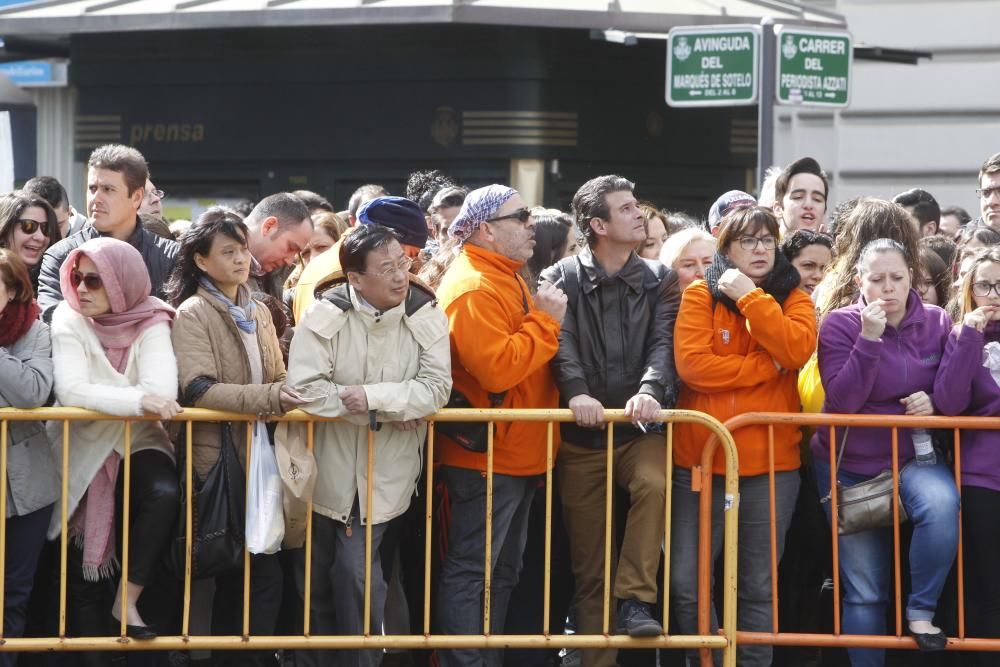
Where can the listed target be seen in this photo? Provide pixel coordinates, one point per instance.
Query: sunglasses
(521, 215)
(29, 227)
(92, 281)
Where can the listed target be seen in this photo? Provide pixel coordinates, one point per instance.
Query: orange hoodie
(496, 347)
(727, 364)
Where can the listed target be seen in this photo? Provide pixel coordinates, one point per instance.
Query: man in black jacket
(116, 184)
(615, 351)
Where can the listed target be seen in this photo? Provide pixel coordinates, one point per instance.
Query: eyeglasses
(29, 226)
(159, 194)
(986, 193)
(984, 289)
(751, 242)
(92, 281)
(521, 215)
(402, 266)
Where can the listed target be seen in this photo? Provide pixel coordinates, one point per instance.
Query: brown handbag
(867, 504)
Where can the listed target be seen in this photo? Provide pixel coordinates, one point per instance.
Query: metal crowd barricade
(725, 639)
(899, 640)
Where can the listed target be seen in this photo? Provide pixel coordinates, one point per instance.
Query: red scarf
(15, 320)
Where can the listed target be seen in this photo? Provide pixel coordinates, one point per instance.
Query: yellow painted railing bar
(547, 585)
(307, 574)
(428, 525)
(126, 508)
(246, 552)
(336, 642)
(188, 527)
(64, 539)
(368, 534)
(667, 504)
(488, 569)
(608, 497)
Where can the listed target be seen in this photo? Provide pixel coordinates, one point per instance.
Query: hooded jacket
(864, 376)
(499, 343)
(400, 357)
(954, 394)
(616, 338)
(728, 356)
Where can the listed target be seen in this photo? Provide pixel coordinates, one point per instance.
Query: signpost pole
(765, 99)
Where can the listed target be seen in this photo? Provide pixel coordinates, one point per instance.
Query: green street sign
(712, 66)
(814, 66)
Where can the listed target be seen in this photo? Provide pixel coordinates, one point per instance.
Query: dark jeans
(459, 605)
(754, 604)
(266, 580)
(25, 537)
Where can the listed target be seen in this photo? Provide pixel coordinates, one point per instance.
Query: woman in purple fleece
(973, 351)
(881, 356)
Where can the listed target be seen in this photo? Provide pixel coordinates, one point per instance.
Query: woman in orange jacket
(741, 336)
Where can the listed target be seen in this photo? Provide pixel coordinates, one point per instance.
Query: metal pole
(765, 98)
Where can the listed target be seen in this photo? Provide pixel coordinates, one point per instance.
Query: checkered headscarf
(480, 205)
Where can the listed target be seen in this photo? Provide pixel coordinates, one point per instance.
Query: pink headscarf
(126, 282)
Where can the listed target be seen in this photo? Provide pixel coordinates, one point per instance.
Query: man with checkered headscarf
(502, 340)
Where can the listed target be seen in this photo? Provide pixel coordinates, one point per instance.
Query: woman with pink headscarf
(112, 353)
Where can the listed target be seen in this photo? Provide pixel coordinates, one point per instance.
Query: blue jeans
(460, 593)
(931, 501)
(754, 601)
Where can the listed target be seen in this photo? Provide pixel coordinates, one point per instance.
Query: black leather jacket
(158, 253)
(616, 338)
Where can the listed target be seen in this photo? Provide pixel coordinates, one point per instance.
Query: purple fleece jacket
(955, 394)
(862, 376)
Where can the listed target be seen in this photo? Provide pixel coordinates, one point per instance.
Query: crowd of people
(399, 306)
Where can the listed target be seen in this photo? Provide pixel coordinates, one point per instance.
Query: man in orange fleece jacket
(502, 341)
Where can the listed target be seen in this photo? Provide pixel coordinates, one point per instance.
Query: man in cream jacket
(371, 350)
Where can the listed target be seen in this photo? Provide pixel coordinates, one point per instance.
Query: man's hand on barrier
(290, 398)
(918, 404)
(165, 408)
(551, 300)
(588, 411)
(408, 425)
(354, 399)
(642, 409)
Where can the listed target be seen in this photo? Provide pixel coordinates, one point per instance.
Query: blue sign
(29, 72)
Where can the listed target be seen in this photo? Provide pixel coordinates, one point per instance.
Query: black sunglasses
(521, 215)
(92, 281)
(29, 226)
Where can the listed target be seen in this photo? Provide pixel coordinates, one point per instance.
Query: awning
(643, 17)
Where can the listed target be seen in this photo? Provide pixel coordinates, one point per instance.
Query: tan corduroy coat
(211, 353)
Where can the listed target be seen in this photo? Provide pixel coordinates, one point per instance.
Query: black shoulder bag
(217, 516)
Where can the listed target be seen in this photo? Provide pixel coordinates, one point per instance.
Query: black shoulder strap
(571, 278)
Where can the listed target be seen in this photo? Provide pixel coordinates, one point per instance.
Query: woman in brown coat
(228, 359)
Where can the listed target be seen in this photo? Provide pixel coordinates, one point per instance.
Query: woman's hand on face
(918, 404)
(978, 318)
(873, 320)
(735, 284)
(165, 408)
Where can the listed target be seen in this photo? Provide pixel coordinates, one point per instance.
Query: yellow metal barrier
(725, 640)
